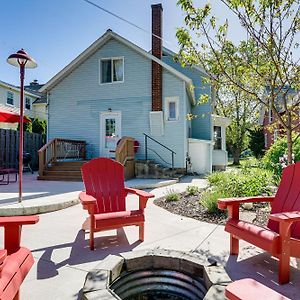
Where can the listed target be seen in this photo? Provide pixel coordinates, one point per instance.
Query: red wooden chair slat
(282, 238)
(15, 261)
(105, 198)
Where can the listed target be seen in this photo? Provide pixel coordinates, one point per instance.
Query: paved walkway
(63, 257)
(46, 196)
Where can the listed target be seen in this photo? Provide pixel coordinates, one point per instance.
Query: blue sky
(55, 32)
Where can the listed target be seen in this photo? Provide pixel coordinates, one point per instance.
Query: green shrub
(210, 198)
(192, 190)
(216, 177)
(171, 195)
(39, 126)
(26, 127)
(271, 160)
(242, 182)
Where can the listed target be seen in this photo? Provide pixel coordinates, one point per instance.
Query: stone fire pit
(156, 274)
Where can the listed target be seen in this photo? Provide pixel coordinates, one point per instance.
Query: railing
(60, 149)
(162, 145)
(125, 150)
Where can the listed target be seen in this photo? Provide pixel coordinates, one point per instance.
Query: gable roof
(17, 89)
(99, 43)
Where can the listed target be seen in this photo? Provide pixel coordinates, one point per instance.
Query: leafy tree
(39, 126)
(257, 141)
(268, 68)
(26, 127)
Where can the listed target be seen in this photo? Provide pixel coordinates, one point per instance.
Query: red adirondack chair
(104, 198)
(281, 238)
(15, 261)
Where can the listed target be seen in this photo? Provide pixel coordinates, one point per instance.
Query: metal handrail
(154, 140)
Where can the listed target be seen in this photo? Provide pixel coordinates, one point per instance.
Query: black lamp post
(22, 60)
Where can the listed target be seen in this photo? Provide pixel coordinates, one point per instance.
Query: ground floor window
(217, 138)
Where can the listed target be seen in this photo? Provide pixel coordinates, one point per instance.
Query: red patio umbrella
(11, 117)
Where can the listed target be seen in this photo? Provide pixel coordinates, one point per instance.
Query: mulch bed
(189, 206)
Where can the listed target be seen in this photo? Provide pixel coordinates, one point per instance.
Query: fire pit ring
(156, 274)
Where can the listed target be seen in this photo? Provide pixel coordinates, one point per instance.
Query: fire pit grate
(158, 284)
(156, 275)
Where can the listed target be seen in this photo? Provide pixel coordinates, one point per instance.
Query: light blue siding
(75, 103)
(201, 126)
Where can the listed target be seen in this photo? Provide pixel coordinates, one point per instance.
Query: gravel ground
(189, 206)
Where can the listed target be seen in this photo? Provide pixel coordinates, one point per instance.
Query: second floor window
(27, 103)
(10, 98)
(112, 70)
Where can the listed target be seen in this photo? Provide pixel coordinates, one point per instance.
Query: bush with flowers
(275, 158)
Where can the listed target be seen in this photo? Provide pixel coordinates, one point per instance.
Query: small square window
(10, 98)
(27, 103)
(112, 70)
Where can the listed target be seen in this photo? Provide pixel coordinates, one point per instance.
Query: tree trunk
(236, 153)
(289, 146)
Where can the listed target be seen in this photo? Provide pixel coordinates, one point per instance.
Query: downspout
(47, 112)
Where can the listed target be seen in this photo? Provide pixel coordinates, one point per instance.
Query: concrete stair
(150, 169)
(63, 171)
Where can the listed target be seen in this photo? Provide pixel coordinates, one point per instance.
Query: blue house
(114, 89)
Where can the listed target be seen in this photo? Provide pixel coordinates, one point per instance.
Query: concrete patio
(62, 255)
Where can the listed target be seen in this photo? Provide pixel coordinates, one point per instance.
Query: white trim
(100, 42)
(167, 111)
(152, 126)
(103, 114)
(112, 59)
(220, 121)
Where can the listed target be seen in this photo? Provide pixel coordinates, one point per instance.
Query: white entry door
(110, 133)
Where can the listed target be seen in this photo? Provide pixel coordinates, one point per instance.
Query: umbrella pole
(21, 137)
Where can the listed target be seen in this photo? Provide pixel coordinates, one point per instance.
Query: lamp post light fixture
(22, 60)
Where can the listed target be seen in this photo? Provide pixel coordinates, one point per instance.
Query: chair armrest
(138, 192)
(223, 203)
(18, 220)
(288, 217)
(143, 196)
(12, 230)
(86, 199)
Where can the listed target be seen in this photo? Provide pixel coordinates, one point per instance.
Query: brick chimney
(157, 52)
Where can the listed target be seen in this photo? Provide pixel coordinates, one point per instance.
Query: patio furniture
(250, 289)
(6, 170)
(15, 261)
(281, 238)
(105, 197)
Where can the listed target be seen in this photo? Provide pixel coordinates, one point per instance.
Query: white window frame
(29, 102)
(13, 98)
(266, 140)
(100, 69)
(167, 112)
(271, 117)
(275, 135)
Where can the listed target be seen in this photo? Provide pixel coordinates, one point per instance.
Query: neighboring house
(114, 89)
(271, 127)
(10, 100)
(40, 104)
